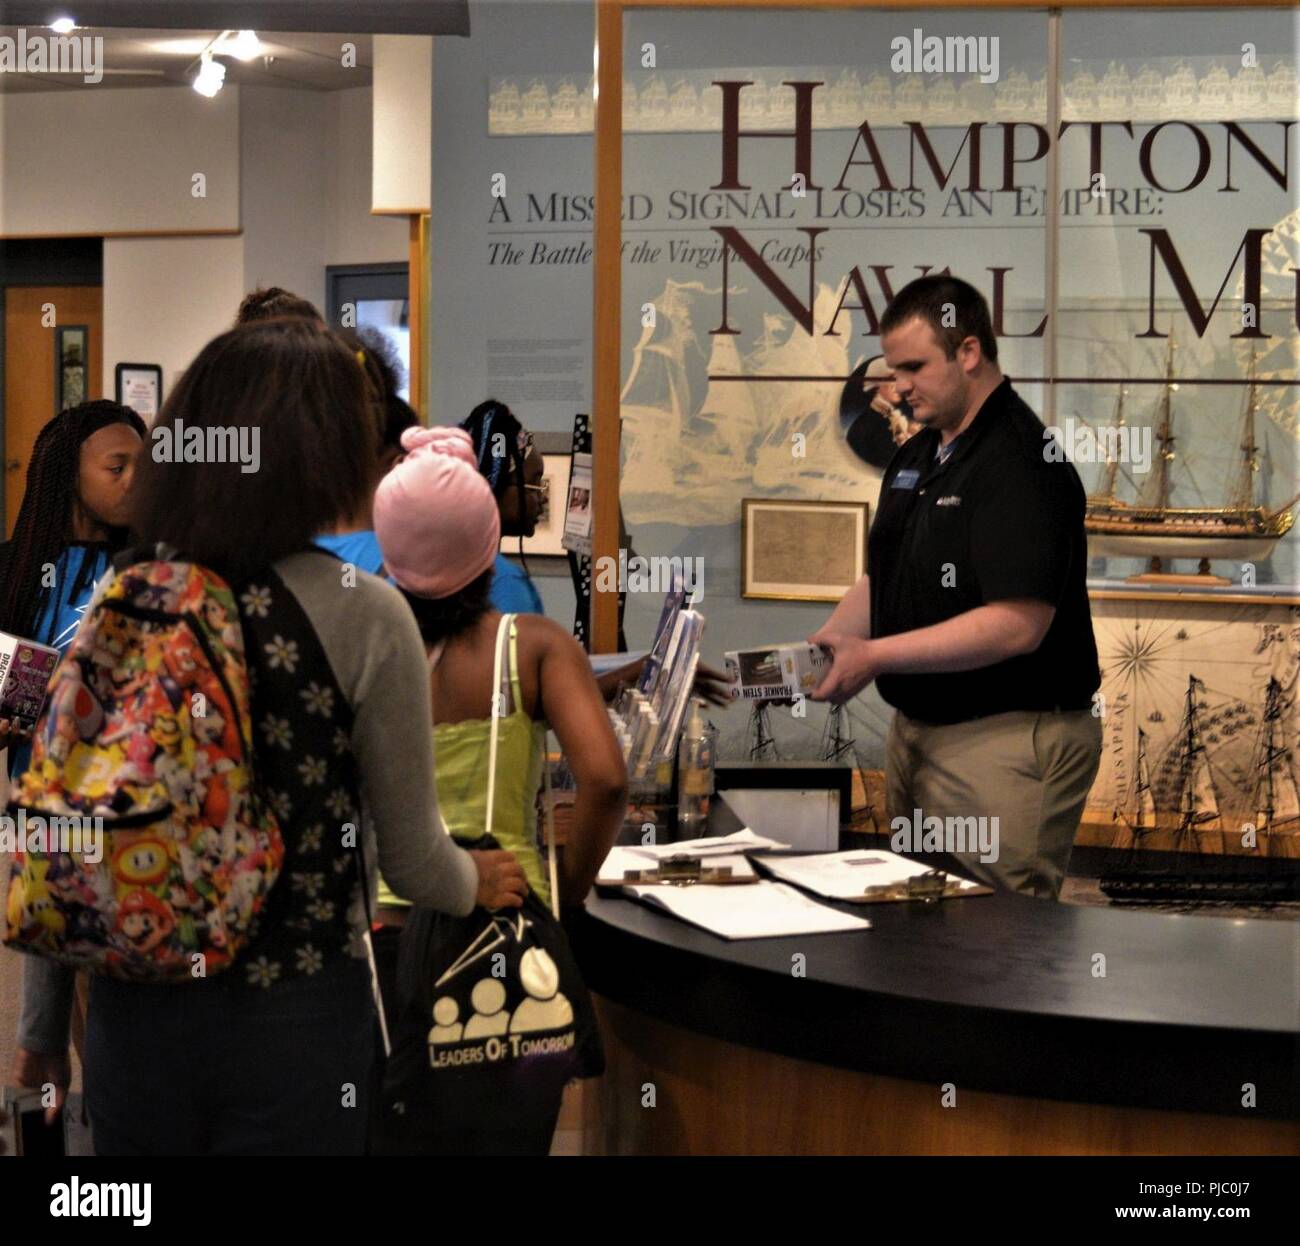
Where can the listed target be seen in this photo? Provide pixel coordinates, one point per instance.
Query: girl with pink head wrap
(439, 528)
(435, 516)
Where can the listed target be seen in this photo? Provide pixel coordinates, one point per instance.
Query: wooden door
(34, 316)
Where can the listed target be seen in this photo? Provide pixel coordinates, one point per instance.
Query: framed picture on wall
(545, 541)
(801, 551)
(139, 386)
(71, 366)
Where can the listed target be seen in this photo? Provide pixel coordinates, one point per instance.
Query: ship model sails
(1150, 527)
(1186, 851)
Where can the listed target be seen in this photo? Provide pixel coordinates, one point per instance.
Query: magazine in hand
(25, 670)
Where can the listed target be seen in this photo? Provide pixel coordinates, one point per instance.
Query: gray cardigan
(371, 640)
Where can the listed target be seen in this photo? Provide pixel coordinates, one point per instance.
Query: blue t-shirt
(59, 620)
(513, 591)
(361, 549)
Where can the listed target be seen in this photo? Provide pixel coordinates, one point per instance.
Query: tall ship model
(1172, 841)
(1150, 527)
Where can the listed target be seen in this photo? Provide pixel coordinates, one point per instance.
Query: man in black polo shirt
(973, 617)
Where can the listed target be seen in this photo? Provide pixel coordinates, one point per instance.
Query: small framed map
(801, 551)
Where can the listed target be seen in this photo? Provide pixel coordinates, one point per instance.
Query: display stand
(580, 564)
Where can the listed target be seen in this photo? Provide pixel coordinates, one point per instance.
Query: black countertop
(998, 993)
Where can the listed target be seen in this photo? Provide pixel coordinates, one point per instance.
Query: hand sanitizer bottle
(694, 775)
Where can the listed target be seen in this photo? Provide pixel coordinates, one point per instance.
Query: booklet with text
(25, 670)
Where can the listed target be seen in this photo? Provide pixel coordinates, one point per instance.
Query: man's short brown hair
(936, 299)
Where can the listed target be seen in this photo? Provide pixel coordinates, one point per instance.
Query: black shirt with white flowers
(305, 771)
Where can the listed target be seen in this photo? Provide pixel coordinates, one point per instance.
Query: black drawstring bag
(493, 1020)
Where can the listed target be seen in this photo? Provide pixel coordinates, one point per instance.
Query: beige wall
(290, 168)
(165, 297)
(287, 145)
(123, 160)
(355, 235)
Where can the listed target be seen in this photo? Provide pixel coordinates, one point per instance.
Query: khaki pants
(1030, 771)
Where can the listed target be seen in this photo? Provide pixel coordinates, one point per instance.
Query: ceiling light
(211, 76)
(63, 25)
(244, 46)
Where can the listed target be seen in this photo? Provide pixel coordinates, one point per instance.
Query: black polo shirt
(997, 520)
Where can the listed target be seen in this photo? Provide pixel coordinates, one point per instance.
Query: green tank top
(461, 751)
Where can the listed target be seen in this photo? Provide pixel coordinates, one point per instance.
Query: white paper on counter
(847, 875)
(763, 910)
(713, 845)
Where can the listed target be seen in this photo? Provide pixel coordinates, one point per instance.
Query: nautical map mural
(1200, 724)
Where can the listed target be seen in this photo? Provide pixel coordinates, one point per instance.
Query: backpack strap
(307, 772)
(548, 816)
(516, 691)
(500, 687)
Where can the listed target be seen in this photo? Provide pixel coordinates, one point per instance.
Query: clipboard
(927, 888)
(684, 871)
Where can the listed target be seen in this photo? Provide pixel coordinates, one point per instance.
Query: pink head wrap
(436, 519)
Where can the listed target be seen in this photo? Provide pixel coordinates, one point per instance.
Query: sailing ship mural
(695, 443)
(1149, 526)
(1197, 796)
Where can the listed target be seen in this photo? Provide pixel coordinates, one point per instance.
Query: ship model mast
(1110, 483)
(1243, 495)
(1156, 495)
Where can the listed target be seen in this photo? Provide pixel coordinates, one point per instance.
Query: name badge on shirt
(905, 479)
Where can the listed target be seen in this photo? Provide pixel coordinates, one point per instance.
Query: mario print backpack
(146, 737)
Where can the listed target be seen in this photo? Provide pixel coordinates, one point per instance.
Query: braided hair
(488, 421)
(45, 520)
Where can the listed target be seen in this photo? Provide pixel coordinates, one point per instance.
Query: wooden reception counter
(994, 1025)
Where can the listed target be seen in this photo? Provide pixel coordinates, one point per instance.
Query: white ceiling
(135, 58)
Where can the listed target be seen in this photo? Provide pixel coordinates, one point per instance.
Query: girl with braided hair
(73, 519)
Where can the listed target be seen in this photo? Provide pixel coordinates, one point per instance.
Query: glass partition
(784, 173)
